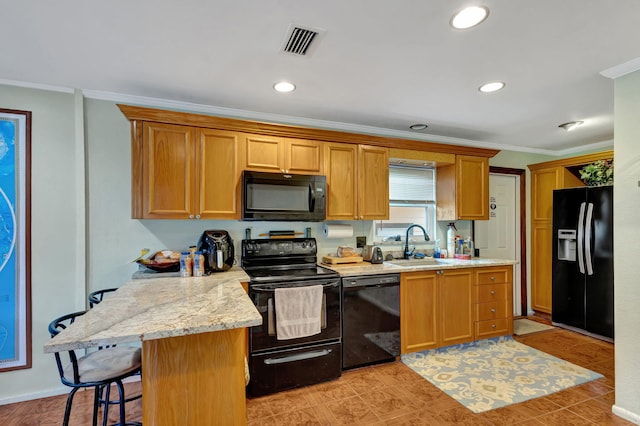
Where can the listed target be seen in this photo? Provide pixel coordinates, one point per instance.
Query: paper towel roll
(337, 231)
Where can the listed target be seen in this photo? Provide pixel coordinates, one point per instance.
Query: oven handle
(297, 357)
(270, 289)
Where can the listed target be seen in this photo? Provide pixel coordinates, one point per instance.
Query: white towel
(298, 311)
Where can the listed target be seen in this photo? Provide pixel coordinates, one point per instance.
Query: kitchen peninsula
(193, 344)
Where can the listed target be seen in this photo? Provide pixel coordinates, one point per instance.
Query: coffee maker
(217, 249)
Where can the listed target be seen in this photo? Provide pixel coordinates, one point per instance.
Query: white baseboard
(626, 414)
(62, 390)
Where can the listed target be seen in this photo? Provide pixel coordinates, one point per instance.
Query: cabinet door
(463, 189)
(373, 182)
(167, 171)
(418, 311)
(218, 186)
(541, 244)
(340, 166)
(472, 187)
(303, 156)
(264, 153)
(543, 182)
(456, 306)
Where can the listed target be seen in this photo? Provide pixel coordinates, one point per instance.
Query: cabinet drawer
(491, 310)
(495, 276)
(490, 328)
(491, 293)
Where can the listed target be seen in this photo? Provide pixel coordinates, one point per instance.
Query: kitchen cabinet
(357, 181)
(435, 309)
(493, 302)
(463, 189)
(545, 177)
(283, 155)
(184, 172)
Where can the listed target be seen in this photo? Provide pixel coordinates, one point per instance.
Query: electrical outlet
(361, 242)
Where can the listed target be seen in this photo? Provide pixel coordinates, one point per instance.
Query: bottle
(198, 264)
(451, 239)
(185, 264)
(436, 250)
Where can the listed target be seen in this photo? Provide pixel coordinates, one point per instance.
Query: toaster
(373, 254)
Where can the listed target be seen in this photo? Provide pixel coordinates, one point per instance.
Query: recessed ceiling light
(469, 17)
(491, 87)
(418, 126)
(571, 125)
(284, 87)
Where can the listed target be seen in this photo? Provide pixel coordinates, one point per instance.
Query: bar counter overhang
(193, 344)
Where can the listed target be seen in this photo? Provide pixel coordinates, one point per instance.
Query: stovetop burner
(272, 260)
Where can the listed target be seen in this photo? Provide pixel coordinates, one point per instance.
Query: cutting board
(334, 260)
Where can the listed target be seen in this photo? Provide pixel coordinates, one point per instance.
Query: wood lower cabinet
(493, 302)
(283, 155)
(435, 309)
(357, 181)
(456, 306)
(463, 189)
(183, 172)
(419, 313)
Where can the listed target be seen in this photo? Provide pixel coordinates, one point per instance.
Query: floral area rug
(493, 373)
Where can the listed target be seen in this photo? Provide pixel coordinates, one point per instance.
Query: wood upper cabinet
(182, 172)
(435, 309)
(283, 155)
(357, 181)
(463, 189)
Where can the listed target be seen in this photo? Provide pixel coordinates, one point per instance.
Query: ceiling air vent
(298, 40)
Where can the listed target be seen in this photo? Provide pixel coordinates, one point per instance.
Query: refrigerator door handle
(581, 238)
(587, 239)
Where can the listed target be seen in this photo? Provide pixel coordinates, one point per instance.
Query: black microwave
(283, 197)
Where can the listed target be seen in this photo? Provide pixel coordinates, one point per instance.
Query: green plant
(599, 172)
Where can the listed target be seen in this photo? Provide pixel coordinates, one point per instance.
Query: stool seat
(106, 364)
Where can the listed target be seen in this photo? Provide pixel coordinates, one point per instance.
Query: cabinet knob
(493, 292)
(493, 311)
(493, 278)
(493, 326)
(197, 216)
(190, 216)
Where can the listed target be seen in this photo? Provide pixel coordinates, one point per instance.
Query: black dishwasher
(370, 319)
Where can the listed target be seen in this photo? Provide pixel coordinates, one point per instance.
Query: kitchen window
(412, 199)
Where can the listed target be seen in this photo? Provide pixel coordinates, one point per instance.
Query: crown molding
(622, 69)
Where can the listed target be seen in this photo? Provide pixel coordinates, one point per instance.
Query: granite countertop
(147, 309)
(366, 268)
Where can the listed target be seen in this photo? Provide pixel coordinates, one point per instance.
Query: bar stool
(99, 370)
(97, 296)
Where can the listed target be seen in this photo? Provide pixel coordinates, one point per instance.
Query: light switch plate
(361, 242)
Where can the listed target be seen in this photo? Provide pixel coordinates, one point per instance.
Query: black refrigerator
(582, 277)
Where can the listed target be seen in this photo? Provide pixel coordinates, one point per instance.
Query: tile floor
(392, 394)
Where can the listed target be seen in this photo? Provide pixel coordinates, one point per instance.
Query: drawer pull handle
(493, 326)
(493, 311)
(493, 278)
(493, 292)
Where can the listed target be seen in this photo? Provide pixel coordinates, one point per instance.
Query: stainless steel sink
(414, 262)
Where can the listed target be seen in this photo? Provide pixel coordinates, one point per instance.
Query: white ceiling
(379, 66)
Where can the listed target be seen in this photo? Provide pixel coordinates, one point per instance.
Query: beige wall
(54, 233)
(626, 230)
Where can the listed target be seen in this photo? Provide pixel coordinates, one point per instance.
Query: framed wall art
(15, 239)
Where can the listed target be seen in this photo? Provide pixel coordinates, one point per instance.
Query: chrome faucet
(407, 253)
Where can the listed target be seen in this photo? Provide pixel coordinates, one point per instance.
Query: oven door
(263, 337)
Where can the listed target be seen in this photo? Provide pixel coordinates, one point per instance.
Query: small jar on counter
(186, 265)
(198, 264)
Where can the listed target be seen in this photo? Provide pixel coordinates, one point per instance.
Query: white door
(498, 237)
